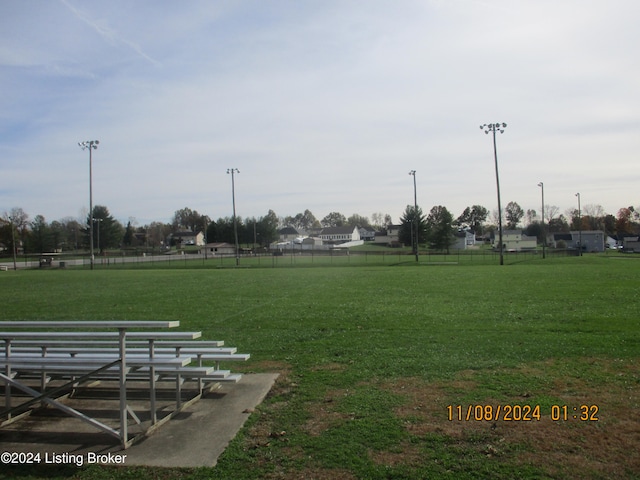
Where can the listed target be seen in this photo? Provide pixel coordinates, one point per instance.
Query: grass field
(378, 363)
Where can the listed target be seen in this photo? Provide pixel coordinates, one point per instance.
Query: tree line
(435, 230)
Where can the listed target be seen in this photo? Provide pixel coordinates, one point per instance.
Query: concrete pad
(195, 437)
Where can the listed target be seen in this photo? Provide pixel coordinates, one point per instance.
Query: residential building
(464, 239)
(592, 240)
(187, 237)
(339, 234)
(514, 241)
(220, 249)
(631, 243)
(288, 234)
(390, 236)
(367, 234)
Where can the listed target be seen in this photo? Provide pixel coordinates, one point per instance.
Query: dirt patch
(406, 454)
(330, 367)
(570, 447)
(323, 415)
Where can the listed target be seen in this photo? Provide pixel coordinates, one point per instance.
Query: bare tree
(550, 211)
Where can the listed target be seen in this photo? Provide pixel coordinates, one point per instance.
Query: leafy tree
(70, 235)
(107, 231)
(302, 221)
(610, 225)
(474, 218)
(623, 222)
(5, 232)
(356, 220)
(534, 229)
(440, 227)
(190, 220)
(156, 233)
(40, 238)
(594, 216)
(268, 228)
(559, 224)
(212, 232)
(513, 213)
(334, 219)
(577, 220)
(128, 235)
(223, 230)
(406, 232)
(57, 234)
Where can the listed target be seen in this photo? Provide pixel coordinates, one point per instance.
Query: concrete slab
(195, 437)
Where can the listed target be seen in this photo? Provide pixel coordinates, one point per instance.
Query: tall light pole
(579, 224)
(415, 215)
(99, 220)
(91, 145)
(14, 247)
(544, 235)
(493, 128)
(233, 171)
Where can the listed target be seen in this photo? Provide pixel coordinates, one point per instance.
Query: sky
(325, 105)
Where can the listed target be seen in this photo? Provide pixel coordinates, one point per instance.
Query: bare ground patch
(568, 448)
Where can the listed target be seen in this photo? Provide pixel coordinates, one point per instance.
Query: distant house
(339, 234)
(288, 234)
(464, 240)
(220, 249)
(514, 241)
(611, 242)
(367, 234)
(187, 237)
(631, 243)
(390, 236)
(592, 240)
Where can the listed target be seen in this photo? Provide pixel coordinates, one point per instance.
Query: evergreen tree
(406, 232)
(440, 226)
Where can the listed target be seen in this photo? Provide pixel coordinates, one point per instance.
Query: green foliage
(513, 213)
(334, 219)
(107, 231)
(440, 228)
(473, 218)
(412, 218)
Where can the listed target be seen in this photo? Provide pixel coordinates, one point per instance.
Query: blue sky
(321, 105)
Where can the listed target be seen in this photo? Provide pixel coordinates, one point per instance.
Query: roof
(562, 236)
(288, 231)
(185, 233)
(337, 230)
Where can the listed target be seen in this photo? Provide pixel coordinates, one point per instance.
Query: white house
(220, 249)
(288, 234)
(514, 241)
(464, 240)
(388, 237)
(339, 234)
(187, 237)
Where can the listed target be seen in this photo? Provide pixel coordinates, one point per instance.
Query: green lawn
(372, 355)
